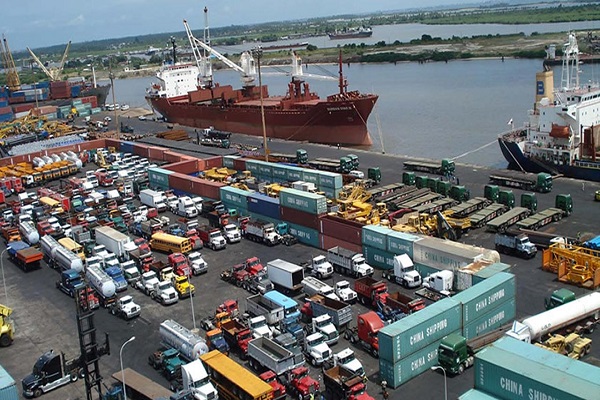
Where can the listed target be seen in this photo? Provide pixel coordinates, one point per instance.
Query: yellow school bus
(73, 247)
(168, 243)
(233, 381)
(51, 204)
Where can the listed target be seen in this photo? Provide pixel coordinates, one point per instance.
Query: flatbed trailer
(468, 207)
(381, 191)
(481, 217)
(419, 201)
(541, 182)
(436, 205)
(139, 387)
(542, 218)
(395, 202)
(543, 239)
(512, 216)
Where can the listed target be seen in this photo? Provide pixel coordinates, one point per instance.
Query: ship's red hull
(323, 121)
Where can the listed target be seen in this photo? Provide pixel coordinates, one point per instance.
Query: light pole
(258, 52)
(445, 383)
(131, 339)
(193, 315)
(4, 280)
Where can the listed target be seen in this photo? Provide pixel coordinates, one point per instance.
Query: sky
(54, 22)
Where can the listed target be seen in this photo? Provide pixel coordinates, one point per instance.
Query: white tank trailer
(65, 259)
(48, 246)
(29, 233)
(100, 281)
(189, 345)
(537, 326)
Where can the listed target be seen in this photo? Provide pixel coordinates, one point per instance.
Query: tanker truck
(58, 257)
(577, 316)
(190, 345)
(102, 284)
(29, 233)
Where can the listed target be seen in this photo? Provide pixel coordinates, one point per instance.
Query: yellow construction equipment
(573, 264)
(7, 329)
(572, 345)
(219, 174)
(273, 189)
(10, 69)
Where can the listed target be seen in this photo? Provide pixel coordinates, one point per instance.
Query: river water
(434, 110)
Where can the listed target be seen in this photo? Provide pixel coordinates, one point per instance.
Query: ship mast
(343, 84)
(570, 67)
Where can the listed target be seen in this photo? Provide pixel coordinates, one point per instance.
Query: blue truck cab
(116, 275)
(70, 281)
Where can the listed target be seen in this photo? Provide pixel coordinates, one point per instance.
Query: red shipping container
(299, 217)
(23, 107)
(350, 231)
(141, 149)
(213, 162)
(112, 143)
(327, 242)
(16, 99)
(179, 181)
(6, 110)
(186, 167)
(239, 164)
(92, 144)
(171, 157)
(59, 84)
(205, 188)
(156, 153)
(200, 164)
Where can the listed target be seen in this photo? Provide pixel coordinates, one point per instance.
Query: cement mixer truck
(190, 345)
(577, 316)
(102, 284)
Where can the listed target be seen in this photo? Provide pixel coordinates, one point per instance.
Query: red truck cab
(179, 263)
(278, 388)
(142, 245)
(301, 383)
(253, 266)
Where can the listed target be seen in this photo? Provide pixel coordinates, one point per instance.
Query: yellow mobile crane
(12, 76)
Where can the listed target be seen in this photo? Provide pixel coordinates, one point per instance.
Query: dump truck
(403, 302)
(444, 167)
(258, 305)
(313, 286)
(211, 237)
(403, 273)
(237, 336)
(341, 384)
(515, 243)
(504, 221)
(370, 290)
(263, 353)
(348, 262)
(541, 182)
(340, 312)
(7, 330)
(26, 257)
(262, 232)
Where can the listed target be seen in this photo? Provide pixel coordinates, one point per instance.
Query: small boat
(351, 33)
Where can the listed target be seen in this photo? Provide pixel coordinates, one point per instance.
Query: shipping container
(266, 170)
(511, 375)
(279, 173)
(327, 242)
(204, 188)
(126, 147)
(490, 271)
(401, 243)
(298, 217)
(255, 216)
(303, 201)
(141, 150)
(375, 236)
(252, 166)
(350, 231)
(172, 157)
(264, 205)
(156, 153)
(180, 182)
(239, 164)
(213, 162)
(475, 394)
(310, 176)
(502, 314)
(399, 372)
(305, 235)
(377, 258)
(445, 254)
(158, 177)
(419, 330)
(228, 161)
(330, 180)
(294, 173)
(186, 167)
(331, 193)
(8, 386)
(486, 296)
(234, 196)
(463, 277)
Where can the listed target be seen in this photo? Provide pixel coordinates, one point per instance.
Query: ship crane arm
(40, 64)
(54, 75)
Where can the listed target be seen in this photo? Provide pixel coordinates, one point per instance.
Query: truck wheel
(73, 377)
(461, 369)
(5, 340)
(313, 362)
(37, 392)
(375, 353)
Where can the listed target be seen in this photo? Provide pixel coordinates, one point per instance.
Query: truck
(563, 208)
(164, 293)
(258, 305)
(153, 198)
(514, 243)
(168, 362)
(197, 263)
(541, 182)
(186, 208)
(558, 298)
(316, 349)
(370, 290)
(466, 208)
(504, 221)
(10, 233)
(445, 167)
(341, 384)
(232, 233)
(194, 383)
(26, 257)
(70, 282)
(365, 332)
(116, 274)
(28, 232)
(483, 216)
(339, 312)
(262, 232)
(217, 219)
(299, 383)
(102, 284)
(264, 353)
(258, 326)
(53, 370)
(147, 228)
(131, 273)
(7, 329)
(179, 263)
(163, 271)
(437, 285)
(216, 341)
(403, 273)
(142, 261)
(125, 308)
(345, 292)
(183, 287)
(114, 241)
(176, 336)
(211, 237)
(348, 262)
(285, 275)
(324, 325)
(577, 316)
(237, 336)
(147, 281)
(406, 304)
(347, 360)
(312, 286)
(318, 266)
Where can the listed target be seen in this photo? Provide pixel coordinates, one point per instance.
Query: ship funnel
(544, 86)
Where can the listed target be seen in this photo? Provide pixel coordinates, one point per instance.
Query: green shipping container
(304, 201)
(425, 270)
(375, 236)
(512, 376)
(235, 196)
(252, 166)
(475, 394)
(400, 372)
(489, 271)
(310, 176)
(419, 330)
(280, 172)
(228, 161)
(502, 314)
(294, 173)
(265, 169)
(330, 180)
(158, 177)
(378, 258)
(331, 193)
(305, 235)
(480, 299)
(401, 243)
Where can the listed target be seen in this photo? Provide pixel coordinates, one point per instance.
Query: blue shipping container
(264, 205)
(8, 386)
(126, 147)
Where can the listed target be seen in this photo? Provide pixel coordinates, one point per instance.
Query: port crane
(53, 73)
(12, 77)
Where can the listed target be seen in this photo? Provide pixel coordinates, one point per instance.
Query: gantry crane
(54, 73)
(12, 77)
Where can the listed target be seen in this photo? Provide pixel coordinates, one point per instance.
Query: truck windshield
(215, 235)
(342, 286)
(446, 351)
(126, 301)
(322, 323)
(230, 228)
(291, 310)
(164, 286)
(202, 382)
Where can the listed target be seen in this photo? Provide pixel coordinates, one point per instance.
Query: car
(107, 119)
(597, 195)
(125, 107)
(142, 118)
(357, 174)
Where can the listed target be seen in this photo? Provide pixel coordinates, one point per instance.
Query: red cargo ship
(300, 115)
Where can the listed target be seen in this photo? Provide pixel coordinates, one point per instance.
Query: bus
(51, 204)
(168, 243)
(233, 381)
(139, 387)
(73, 247)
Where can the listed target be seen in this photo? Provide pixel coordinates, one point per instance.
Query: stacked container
(302, 211)
(409, 347)
(235, 198)
(334, 229)
(158, 178)
(263, 205)
(381, 244)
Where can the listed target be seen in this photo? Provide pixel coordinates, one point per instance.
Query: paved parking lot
(45, 317)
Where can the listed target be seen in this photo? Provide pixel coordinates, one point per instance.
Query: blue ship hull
(517, 160)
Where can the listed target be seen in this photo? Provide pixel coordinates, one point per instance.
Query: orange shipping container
(171, 157)
(213, 162)
(156, 153)
(338, 227)
(185, 167)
